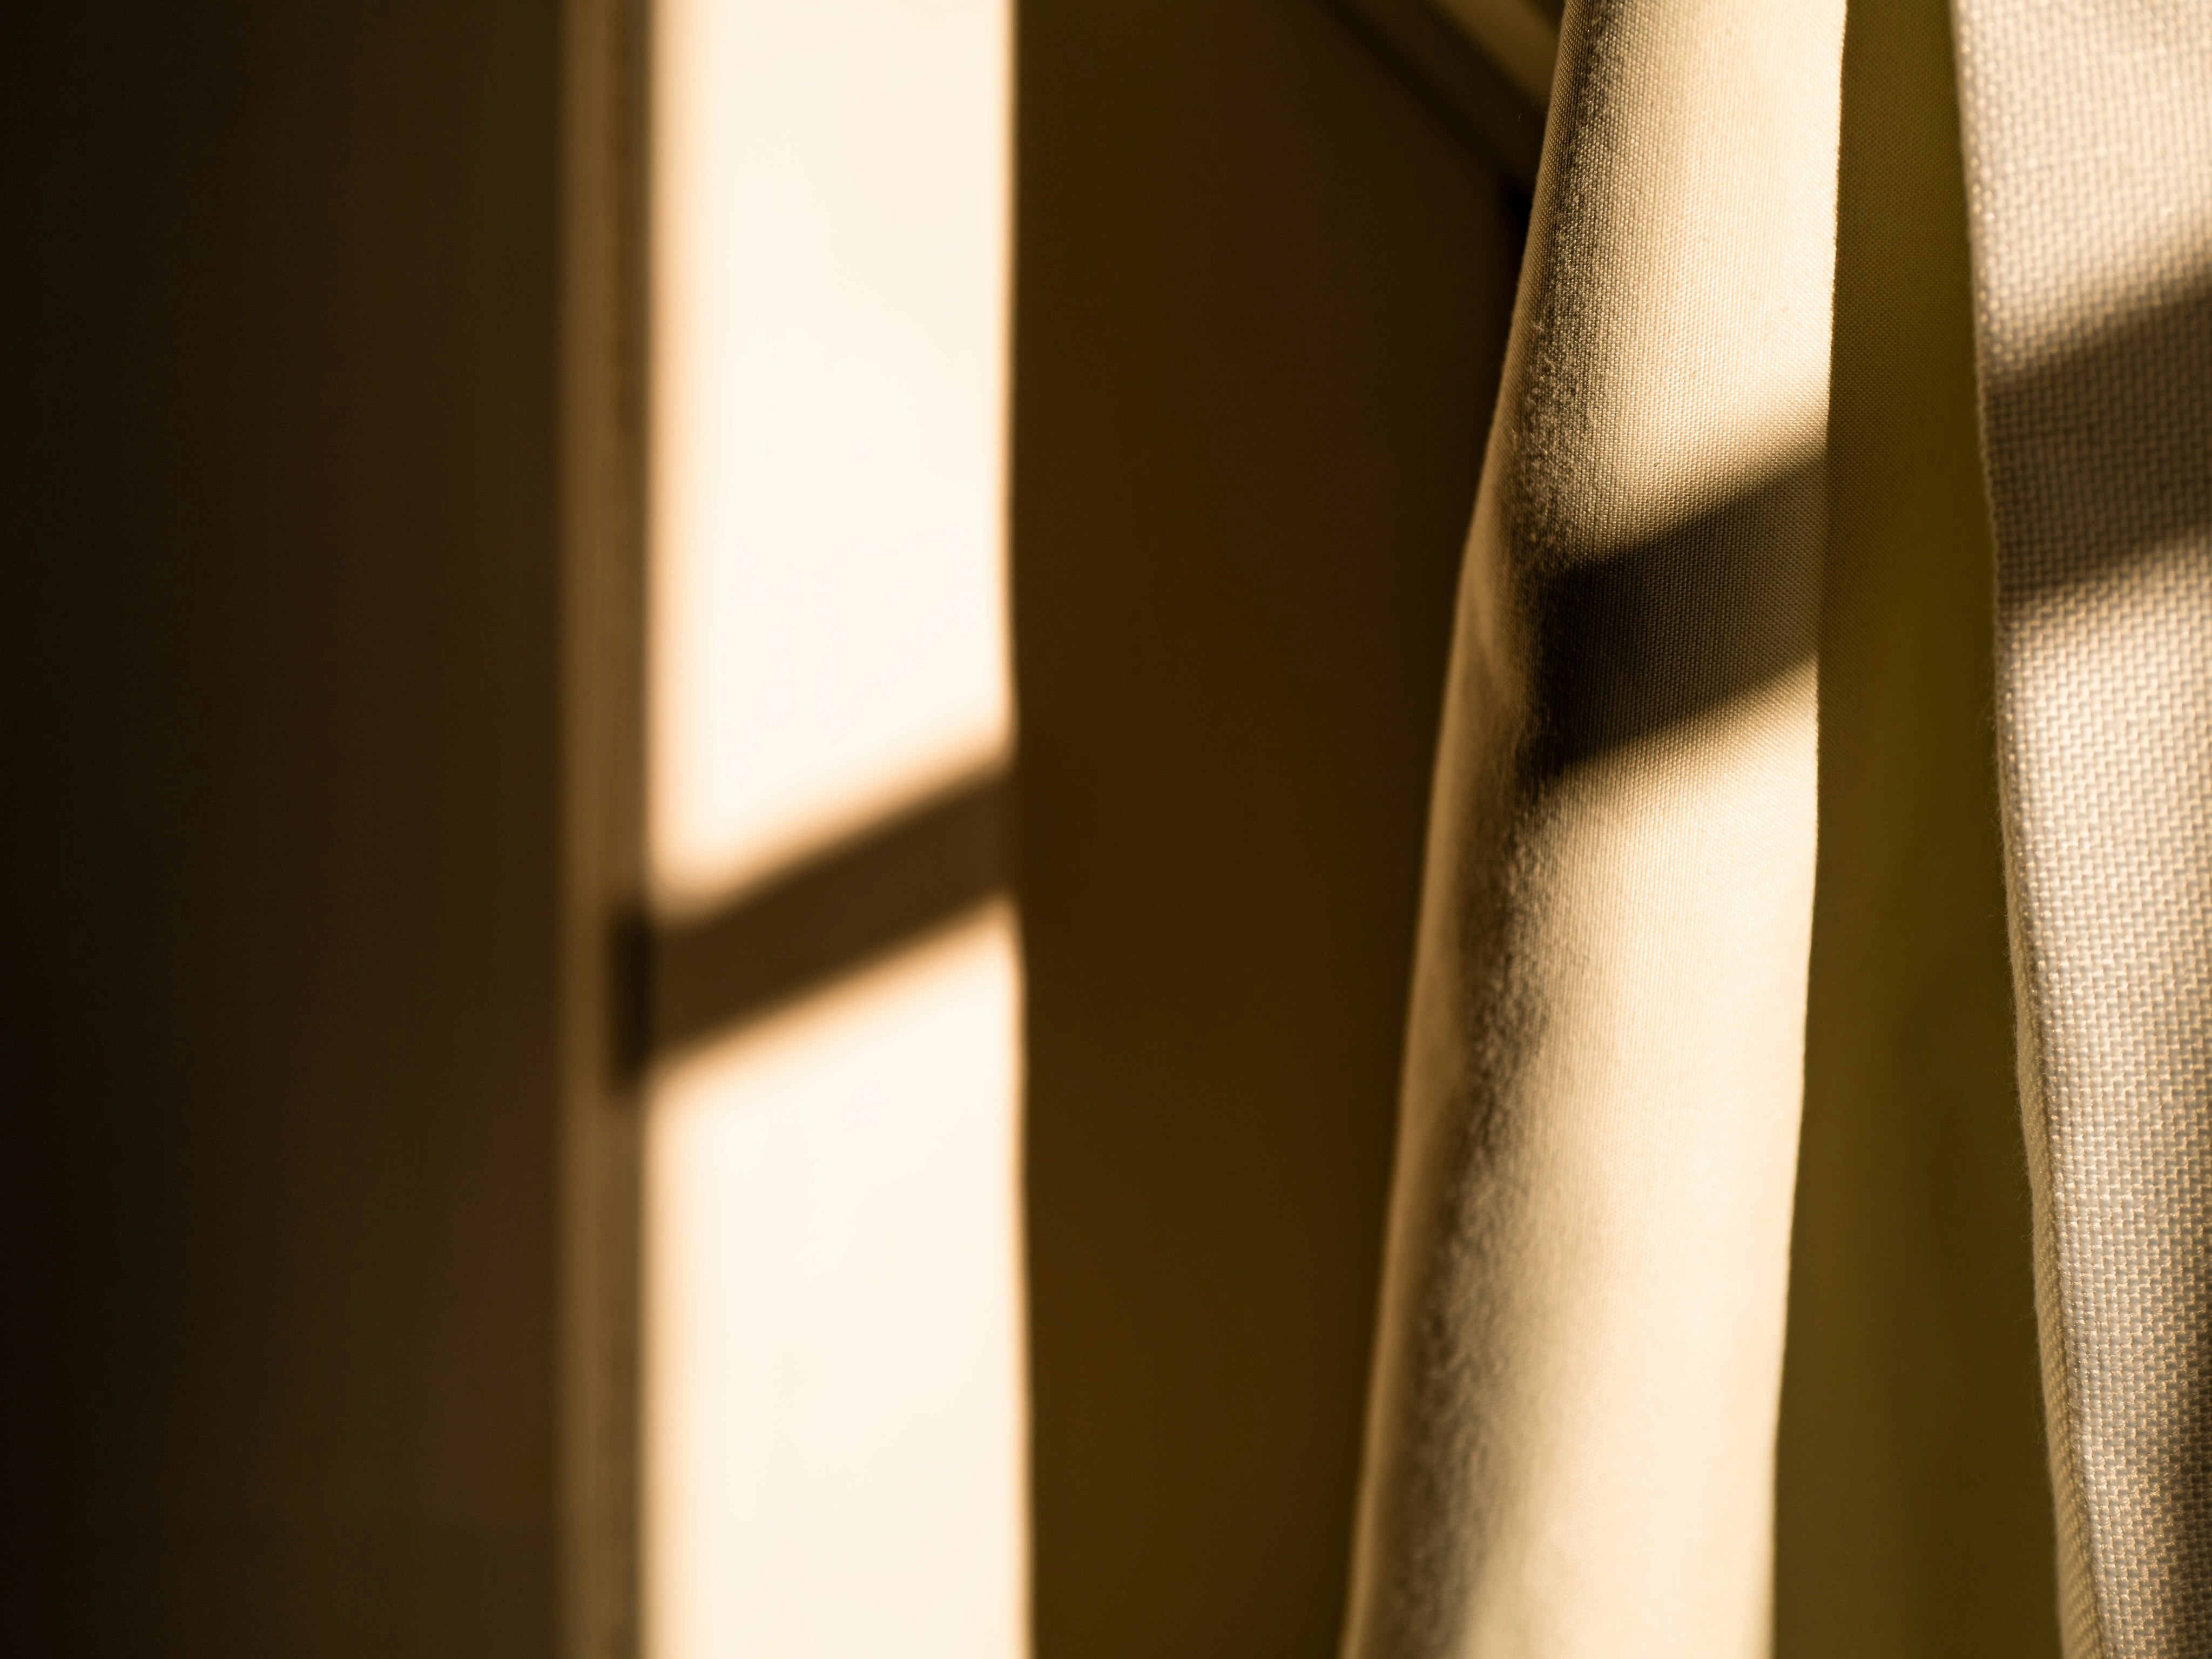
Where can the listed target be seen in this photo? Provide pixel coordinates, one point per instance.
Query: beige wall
(283, 674)
(1261, 291)
(279, 672)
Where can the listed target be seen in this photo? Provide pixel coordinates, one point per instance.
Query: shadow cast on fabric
(2057, 426)
(1672, 626)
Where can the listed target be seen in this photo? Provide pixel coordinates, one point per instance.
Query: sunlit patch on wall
(834, 1425)
(827, 421)
(833, 1355)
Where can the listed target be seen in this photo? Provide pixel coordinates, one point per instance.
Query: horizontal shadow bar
(829, 914)
(2097, 456)
(1671, 626)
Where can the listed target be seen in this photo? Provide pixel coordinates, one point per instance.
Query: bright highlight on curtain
(833, 1417)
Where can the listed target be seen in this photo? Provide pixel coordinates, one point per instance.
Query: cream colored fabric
(1913, 1499)
(2088, 145)
(1571, 1450)
(1571, 1444)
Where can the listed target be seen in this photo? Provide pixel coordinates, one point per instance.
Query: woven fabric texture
(2087, 131)
(1571, 1444)
(1570, 1453)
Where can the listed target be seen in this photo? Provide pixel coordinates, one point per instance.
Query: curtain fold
(1678, 901)
(1570, 1446)
(1913, 1516)
(2089, 149)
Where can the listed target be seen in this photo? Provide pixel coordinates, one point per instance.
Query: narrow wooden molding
(602, 806)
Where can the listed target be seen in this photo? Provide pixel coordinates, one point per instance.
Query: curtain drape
(1759, 835)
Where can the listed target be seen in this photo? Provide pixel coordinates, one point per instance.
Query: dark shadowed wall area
(1262, 287)
(281, 688)
(279, 683)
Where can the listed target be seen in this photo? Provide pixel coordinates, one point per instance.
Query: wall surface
(281, 691)
(1261, 291)
(279, 594)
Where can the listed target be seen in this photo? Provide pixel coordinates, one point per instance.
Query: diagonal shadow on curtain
(1914, 1504)
(1674, 625)
(1659, 632)
(2106, 445)
(1668, 628)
